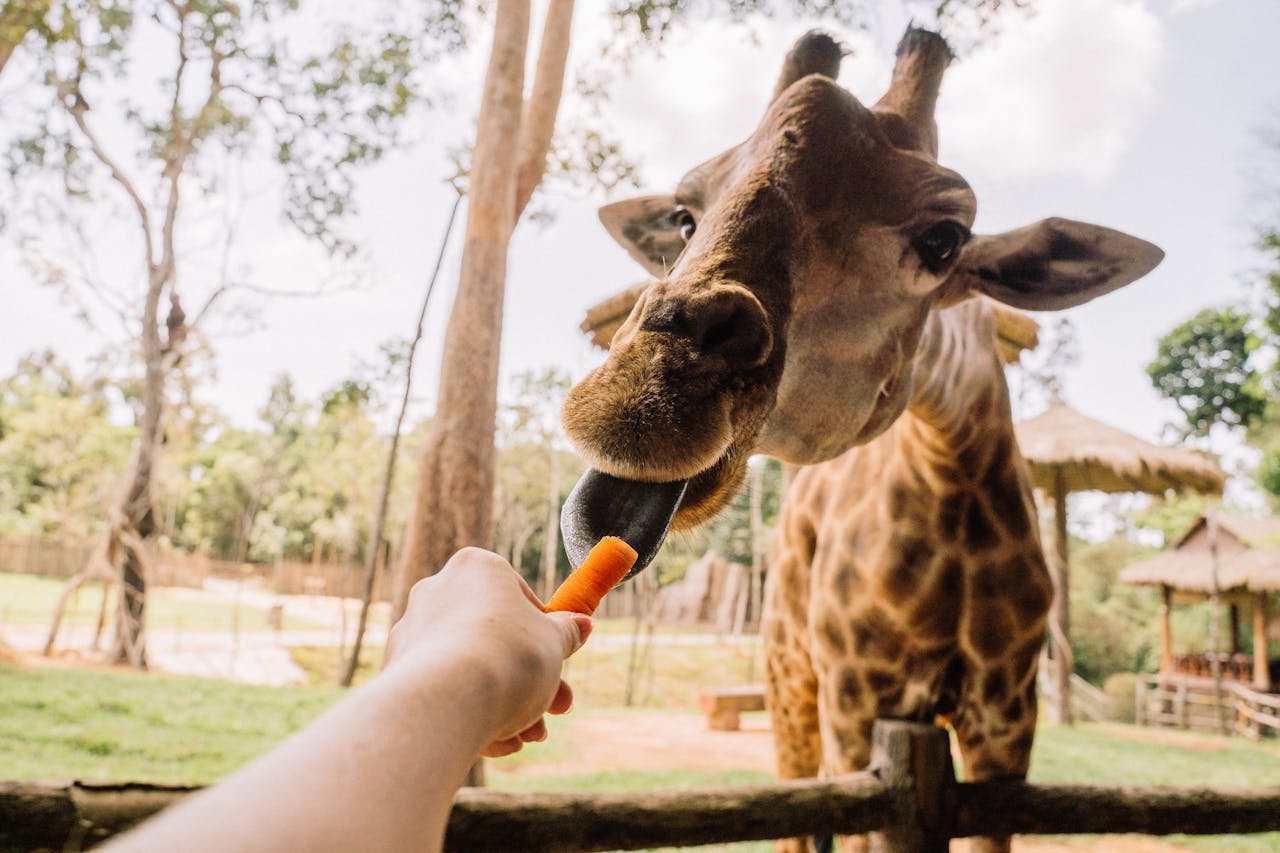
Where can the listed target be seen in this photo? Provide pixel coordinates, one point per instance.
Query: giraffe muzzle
(603, 505)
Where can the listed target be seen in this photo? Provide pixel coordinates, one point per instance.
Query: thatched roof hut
(1070, 452)
(1234, 559)
(1090, 455)
(1248, 559)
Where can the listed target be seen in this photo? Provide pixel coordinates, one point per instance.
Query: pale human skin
(472, 669)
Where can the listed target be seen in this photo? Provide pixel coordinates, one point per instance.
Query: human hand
(478, 614)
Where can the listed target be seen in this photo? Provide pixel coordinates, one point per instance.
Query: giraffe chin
(603, 505)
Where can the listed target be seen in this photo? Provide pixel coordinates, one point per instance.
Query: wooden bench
(722, 705)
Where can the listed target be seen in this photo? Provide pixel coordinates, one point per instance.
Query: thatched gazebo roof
(1089, 455)
(1016, 331)
(1068, 452)
(1248, 558)
(1223, 558)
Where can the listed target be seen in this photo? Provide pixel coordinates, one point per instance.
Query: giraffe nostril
(727, 322)
(742, 337)
(718, 334)
(669, 317)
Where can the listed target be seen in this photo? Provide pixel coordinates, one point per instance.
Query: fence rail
(63, 558)
(1086, 700)
(1192, 702)
(909, 800)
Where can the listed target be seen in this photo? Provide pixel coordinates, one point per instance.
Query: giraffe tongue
(603, 505)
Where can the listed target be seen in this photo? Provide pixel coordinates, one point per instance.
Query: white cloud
(708, 90)
(1180, 6)
(1060, 92)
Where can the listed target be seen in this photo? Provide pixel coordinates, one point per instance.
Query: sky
(1141, 115)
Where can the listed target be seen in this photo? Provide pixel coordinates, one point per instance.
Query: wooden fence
(1087, 701)
(62, 558)
(1192, 702)
(908, 801)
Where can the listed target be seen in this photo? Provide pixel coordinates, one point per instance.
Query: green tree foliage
(302, 479)
(1113, 626)
(1203, 366)
(730, 533)
(277, 79)
(60, 454)
(1223, 365)
(655, 19)
(529, 436)
(1170, 516)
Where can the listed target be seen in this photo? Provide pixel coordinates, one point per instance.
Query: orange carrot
(606, 565)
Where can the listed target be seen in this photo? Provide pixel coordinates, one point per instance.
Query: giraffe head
(796, 271)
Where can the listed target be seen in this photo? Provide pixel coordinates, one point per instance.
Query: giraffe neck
(959, 394)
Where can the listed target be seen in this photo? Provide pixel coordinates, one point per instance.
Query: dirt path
(660, 741)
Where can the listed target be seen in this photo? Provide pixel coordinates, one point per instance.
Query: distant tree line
(299, 483)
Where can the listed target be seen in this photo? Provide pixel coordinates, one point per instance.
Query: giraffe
(819, 287)
(908, 579)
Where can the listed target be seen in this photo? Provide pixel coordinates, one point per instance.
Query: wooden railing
(1193, 702)
(1256, 712)
(1086, 700)
(908, 801)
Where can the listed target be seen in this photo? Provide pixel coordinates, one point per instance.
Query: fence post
(916, 756)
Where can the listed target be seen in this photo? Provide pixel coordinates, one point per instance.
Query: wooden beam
(987, 808)
(1261, 663)
(78, 814)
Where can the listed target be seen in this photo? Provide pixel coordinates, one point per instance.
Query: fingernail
(585, 626)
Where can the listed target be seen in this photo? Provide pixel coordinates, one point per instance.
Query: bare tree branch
(76, 108)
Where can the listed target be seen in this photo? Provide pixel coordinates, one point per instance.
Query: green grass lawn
(1114, 754)
(58, 723)
(30, 600)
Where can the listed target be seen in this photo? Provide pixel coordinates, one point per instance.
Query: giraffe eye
(941, 244)
(686, 225)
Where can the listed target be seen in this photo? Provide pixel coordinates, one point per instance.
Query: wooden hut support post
(1166, 629)
(1060, 615)
(1261, 667)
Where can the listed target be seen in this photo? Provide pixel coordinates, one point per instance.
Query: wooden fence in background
(1192, 702)
(908, 801)
(62, 558)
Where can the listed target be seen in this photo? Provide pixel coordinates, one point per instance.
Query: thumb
(574, 629)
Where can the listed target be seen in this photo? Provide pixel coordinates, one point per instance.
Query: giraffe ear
(648, 227)
(1051, 265)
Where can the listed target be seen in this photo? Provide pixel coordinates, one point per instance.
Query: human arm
(472, 667)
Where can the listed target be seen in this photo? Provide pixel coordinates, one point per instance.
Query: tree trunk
(1215, 626)
(97, 566)
(453, 505)
(454, 502)
(133, 521)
